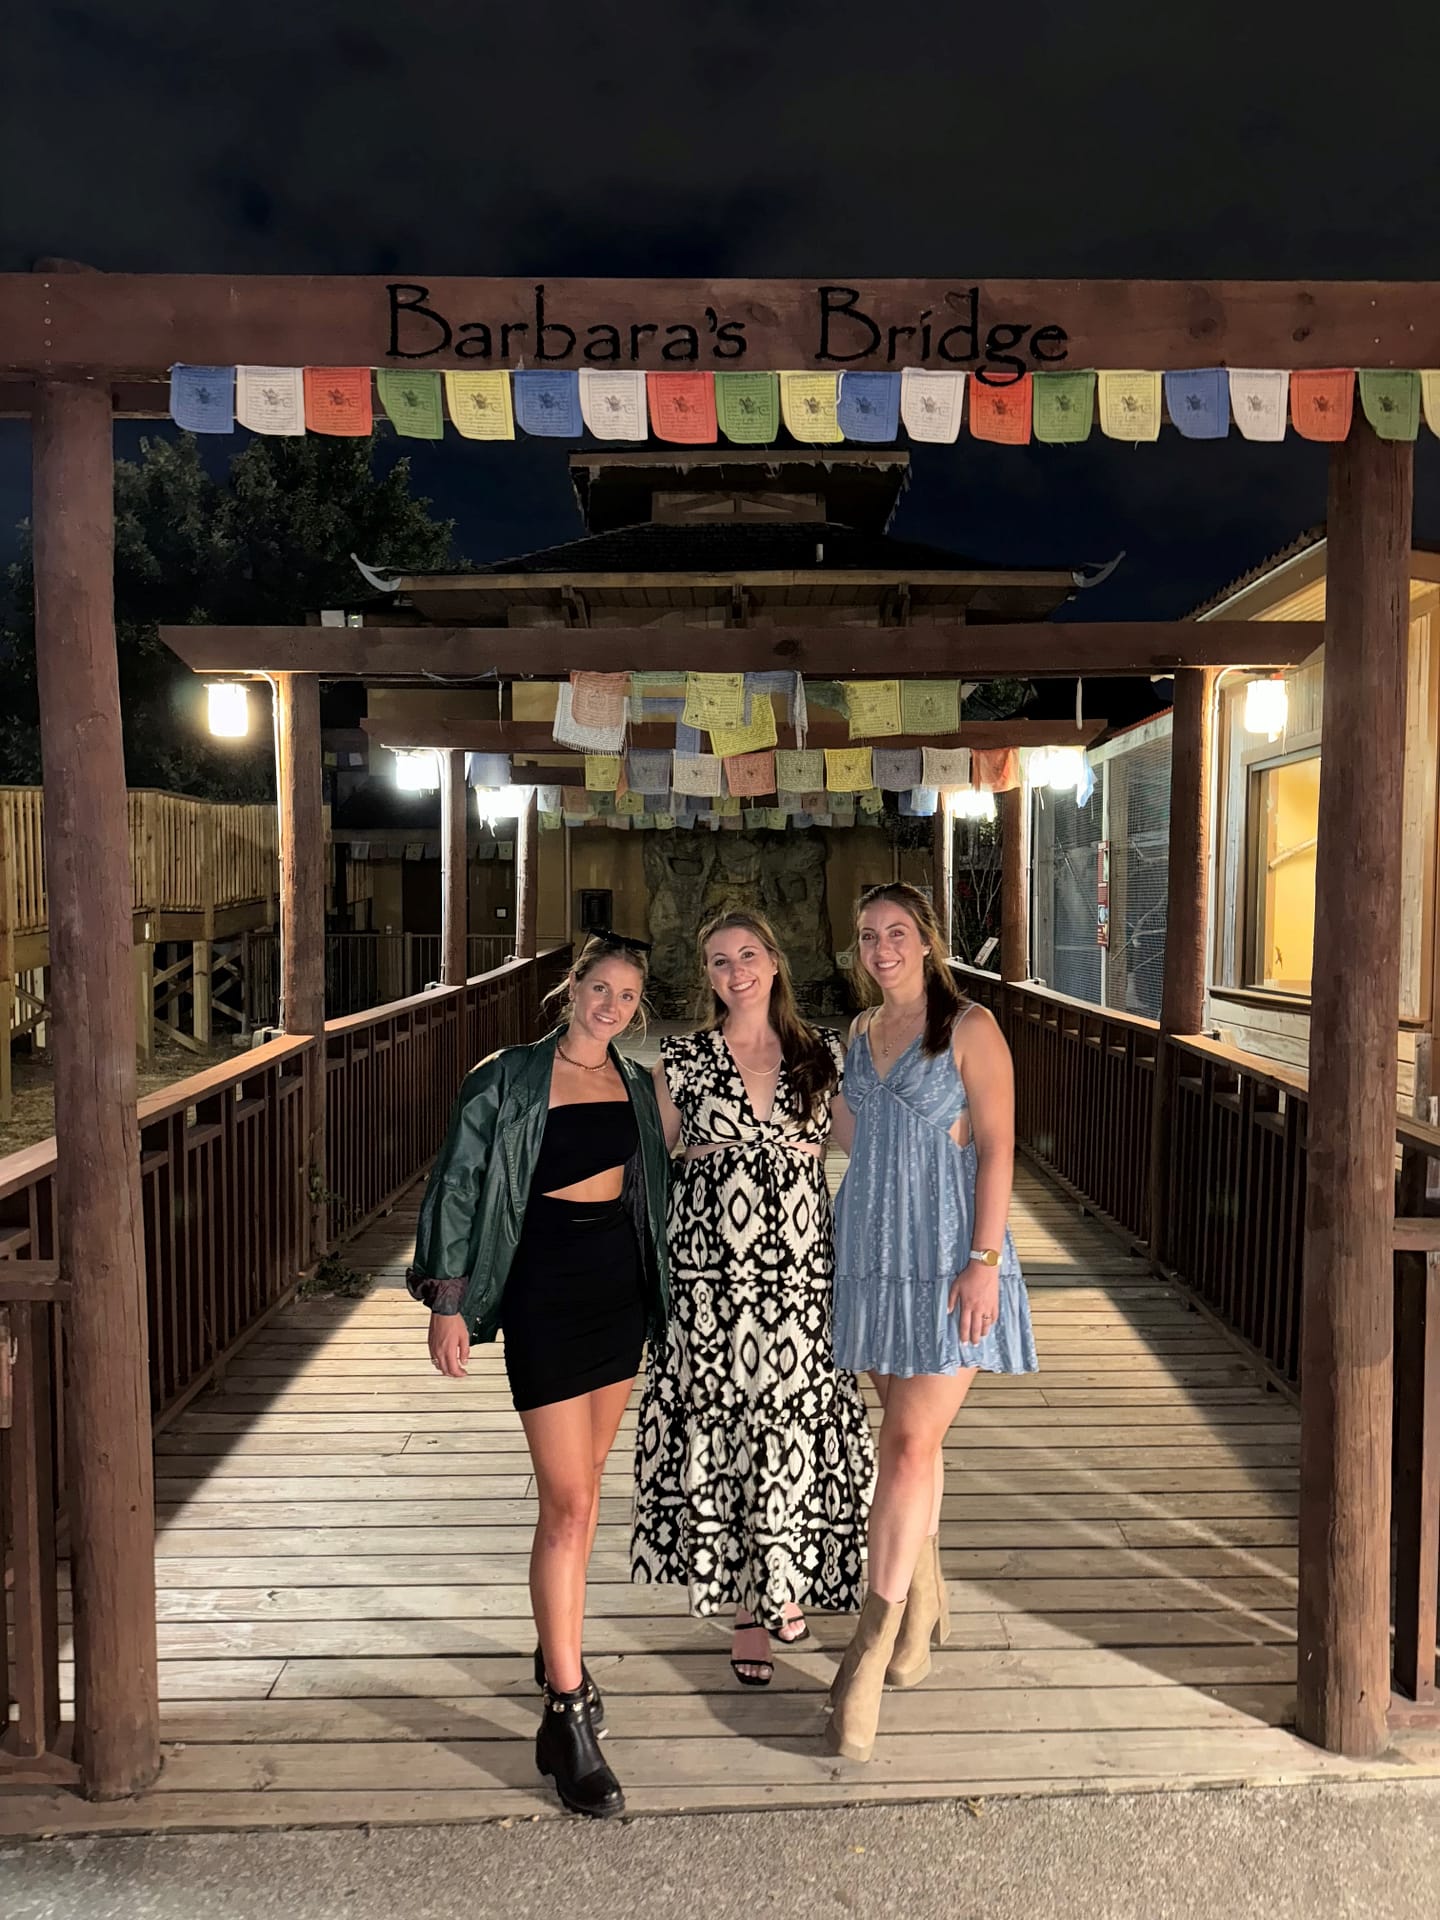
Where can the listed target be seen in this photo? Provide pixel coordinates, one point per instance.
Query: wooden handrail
(32, 1280)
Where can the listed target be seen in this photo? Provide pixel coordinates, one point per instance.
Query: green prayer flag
(412, 401)
(872, 801)
(551, 822)
(1391, 400)
(1063, 409)
(747, 406)
(929, 706)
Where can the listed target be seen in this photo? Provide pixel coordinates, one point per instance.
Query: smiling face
(892, 950)
(606, 999)
(740, 968)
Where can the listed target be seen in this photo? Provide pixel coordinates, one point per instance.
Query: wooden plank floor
(343, 1618)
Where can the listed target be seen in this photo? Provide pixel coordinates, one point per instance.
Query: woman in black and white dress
(754, 1463)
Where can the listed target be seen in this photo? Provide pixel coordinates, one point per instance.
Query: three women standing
(754, 1464)
(928, 1290)
(544, 1218)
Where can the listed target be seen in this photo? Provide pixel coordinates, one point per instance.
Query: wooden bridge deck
(344, 1629)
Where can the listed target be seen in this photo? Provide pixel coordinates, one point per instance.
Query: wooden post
(8, 910)
(145, 994)
(942, 865)
(527, 876)
(99, 1231)
(1182, 992)
(203, 949)
(454, 869)
(1347, 1312)
(1013, 810)
(300, 789)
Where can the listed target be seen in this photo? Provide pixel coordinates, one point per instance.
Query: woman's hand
(449, 1344)
(976, 1293)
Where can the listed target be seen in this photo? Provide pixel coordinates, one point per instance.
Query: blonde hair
(944, 1001)
(561, 999)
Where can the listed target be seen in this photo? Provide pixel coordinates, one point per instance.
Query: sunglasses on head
(622, 941)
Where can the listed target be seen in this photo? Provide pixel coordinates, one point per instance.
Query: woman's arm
(984, 1062)
(669, 1112)
(440, 1273)
(842, 1116)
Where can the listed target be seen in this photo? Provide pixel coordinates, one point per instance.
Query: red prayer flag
(682, 407)
(1001, 413)
(1321, 402)
(337, 400)
(995, 769)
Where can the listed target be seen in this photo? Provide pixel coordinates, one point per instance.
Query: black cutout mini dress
(573, 1316)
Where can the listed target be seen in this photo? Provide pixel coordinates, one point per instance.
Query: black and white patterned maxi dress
(754, 1464)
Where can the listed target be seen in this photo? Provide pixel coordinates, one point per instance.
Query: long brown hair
(808, 1060)
(944, 1001)
(598, 947)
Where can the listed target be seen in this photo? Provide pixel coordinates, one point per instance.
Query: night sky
(758, 138)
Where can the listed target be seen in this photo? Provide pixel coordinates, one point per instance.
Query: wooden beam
(143, 323)
(454, 869)
(1013, 811)
(1030, 649)
(129, 400)
(32, 1280)
(527, 877)
(535, 736)
(942, 871)
(1347, 1314)
(1417, 1233)
(964, 579)
(98, 1209)
(1182, 1000)
(299, 785)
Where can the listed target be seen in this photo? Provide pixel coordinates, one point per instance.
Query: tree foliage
(267, 544)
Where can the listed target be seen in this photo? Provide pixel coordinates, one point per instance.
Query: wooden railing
(1235, 1187)
(365, 970)
(31, 1299)
(227, 1200)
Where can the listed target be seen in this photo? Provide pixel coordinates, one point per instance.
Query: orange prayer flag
(995, 769)
(337, 400)
(1321, 402)
(682, 407)
(1002, 413)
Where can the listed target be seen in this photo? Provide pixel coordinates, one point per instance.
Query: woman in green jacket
(544, 1219)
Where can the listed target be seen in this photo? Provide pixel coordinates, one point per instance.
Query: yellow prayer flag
(810, 403)
(1130, 405)
(755, 738)
(849, 769)
(602, 772)
(726, 805)
(874, 708)
(1430, 397)
(631, 804)
(480, 405)
(714, 700)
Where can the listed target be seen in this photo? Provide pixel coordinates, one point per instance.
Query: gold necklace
(887, 1046)
(583, 1065)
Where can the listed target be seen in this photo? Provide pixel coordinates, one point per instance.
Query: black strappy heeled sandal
(737, 1661)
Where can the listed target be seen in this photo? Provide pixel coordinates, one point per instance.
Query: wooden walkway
(344, 1629)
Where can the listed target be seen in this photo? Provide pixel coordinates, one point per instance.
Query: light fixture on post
(227, 708)
(1267, 706)
(499, 803)
(974, 803)
(417, 770)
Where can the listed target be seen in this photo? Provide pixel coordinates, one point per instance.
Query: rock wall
(692, 876)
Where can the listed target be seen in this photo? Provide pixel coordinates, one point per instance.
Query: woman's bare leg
(918, 1413)
(565, 1449)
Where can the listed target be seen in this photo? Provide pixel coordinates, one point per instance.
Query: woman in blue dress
(928, 1290)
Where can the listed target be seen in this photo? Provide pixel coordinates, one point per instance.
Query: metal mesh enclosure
(1139, 811)
(1076, 965)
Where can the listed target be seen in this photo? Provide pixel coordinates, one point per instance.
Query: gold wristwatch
(987, 1256)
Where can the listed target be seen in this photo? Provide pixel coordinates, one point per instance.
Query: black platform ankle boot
(567, 1751)
(592, 1693)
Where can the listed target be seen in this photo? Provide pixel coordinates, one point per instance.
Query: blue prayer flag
(1199, 402)
(547, 405)
(870, 406)
(202, 399)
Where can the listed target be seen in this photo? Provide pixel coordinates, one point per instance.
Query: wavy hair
(809, 1062)
(598, 947)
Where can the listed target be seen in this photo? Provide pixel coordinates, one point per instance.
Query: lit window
(1284, 820)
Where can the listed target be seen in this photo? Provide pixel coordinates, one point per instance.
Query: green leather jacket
(474, 1205)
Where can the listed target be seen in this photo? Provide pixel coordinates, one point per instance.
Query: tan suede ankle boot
(855, 1693)
(927, 1619)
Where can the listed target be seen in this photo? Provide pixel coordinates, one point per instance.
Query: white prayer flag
(612, 405)
(945, 766)
(931, 404)
(270, 399)
(1260, 402)
(697, 773)
(567, 731)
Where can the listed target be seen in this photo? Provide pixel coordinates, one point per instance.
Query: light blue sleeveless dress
(903, 1226)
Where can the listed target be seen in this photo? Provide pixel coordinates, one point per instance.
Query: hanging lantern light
(1267, 706)
(499, 803)
(227, 708)
(417, 771)
(1066, 770)
(1037, 767)
(972, 803)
